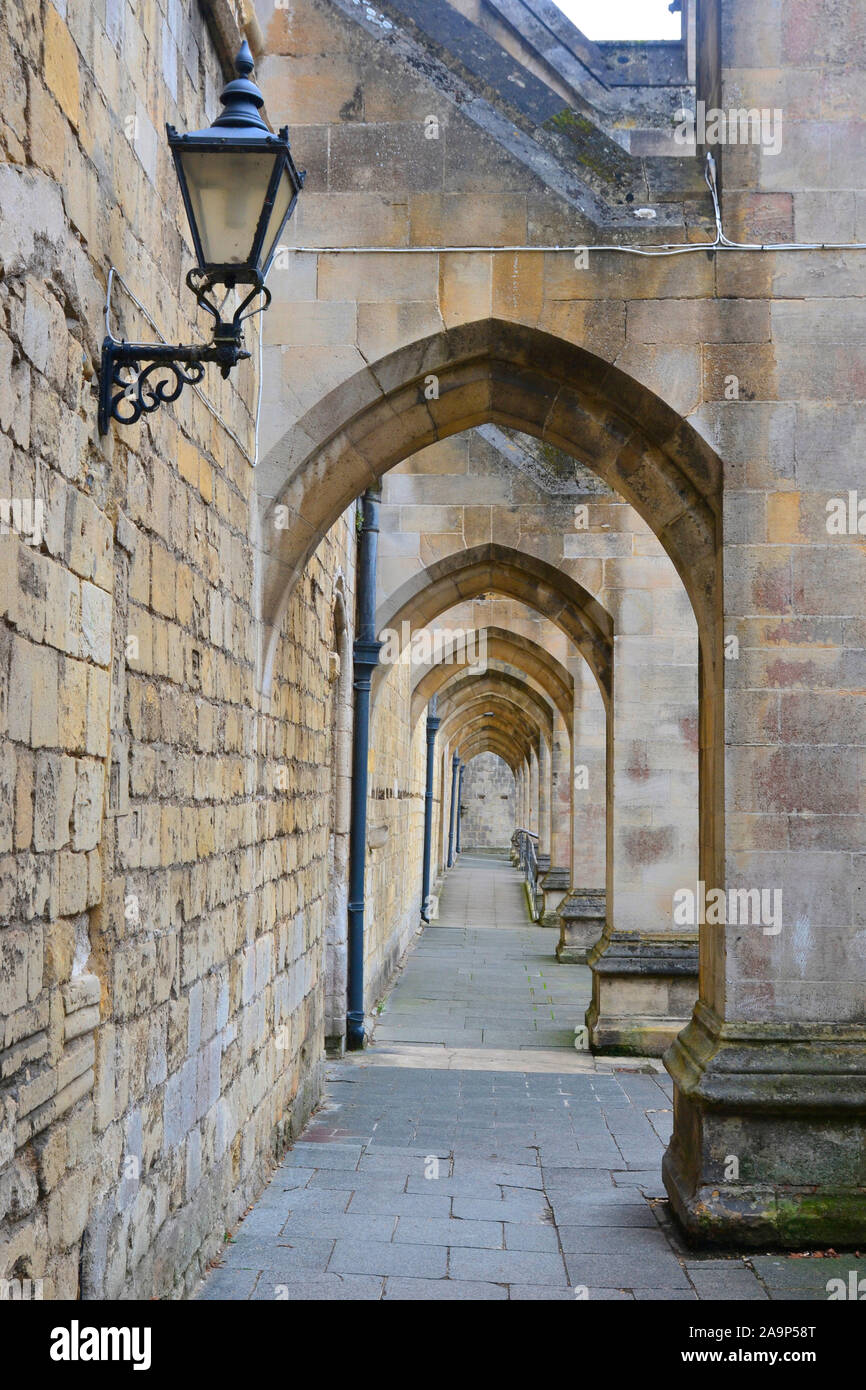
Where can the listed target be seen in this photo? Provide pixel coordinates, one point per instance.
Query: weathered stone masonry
(175, 679)
(164, 833)
(488, 801)
(734, 484)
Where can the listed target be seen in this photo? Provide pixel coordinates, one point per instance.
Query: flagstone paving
(473, 1152)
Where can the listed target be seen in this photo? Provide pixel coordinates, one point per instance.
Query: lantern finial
(241, 98)
(244, 61)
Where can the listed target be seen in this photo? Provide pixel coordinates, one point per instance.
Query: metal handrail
(524, 844)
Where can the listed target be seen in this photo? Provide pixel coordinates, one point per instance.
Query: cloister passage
(470, 1152)
(535, 378)
(706, 996)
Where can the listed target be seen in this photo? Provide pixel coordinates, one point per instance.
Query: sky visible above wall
(623, 19)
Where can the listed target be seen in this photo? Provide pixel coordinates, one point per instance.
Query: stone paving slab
(401, 1204)
(609, 1214)
(517, 1207)
(471, 1169)
(603, 1240)
(557, 1061)
(658, 1269)
(338, 1226)
(728, 1280)
(332, 1287)
(799, 1277)
(295, 1256)
(434, 1290)
(367, 1257)
(447, 1231)
(530, 1235)
(509, 1266)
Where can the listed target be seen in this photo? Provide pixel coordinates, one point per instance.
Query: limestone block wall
(395, 830)
(488, 809)
(208, 1066)
(794, 586)
(163, 831)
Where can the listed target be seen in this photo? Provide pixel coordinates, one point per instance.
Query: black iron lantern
(239, 183)
(239, 186)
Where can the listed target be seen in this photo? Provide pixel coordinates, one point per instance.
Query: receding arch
(507, 720)
(501, 712)
(492, 742)
(491, 371)
(467, 573)
(513, 649)
(501, 690)
(515, 375)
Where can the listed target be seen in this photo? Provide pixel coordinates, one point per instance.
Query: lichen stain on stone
(647, 846)
(792, 674)
(690, 729)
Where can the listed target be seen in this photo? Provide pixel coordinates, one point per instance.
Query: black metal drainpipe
(433, 722)
(365, 654)
(455, 763)
(459, 805)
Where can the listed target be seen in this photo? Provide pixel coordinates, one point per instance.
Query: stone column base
(769, 1143)
(554, 887)
(581, 923)
(643, 991)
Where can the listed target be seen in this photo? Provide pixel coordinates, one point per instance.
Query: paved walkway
(472, 1153)
(484, 975)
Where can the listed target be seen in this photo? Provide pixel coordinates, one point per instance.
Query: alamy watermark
(854, 1290)
(23, 517)
(738, 125)
(846, 516)
(77, 1343)
(434, 647)
(745, 907)
(21, 1290)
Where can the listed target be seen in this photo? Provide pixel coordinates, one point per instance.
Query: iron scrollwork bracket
(130, 384)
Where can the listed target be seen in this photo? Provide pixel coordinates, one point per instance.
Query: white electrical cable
(721, 242)
(261, 385)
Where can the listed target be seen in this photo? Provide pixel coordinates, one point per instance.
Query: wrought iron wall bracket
(137, 378)
(129, 381)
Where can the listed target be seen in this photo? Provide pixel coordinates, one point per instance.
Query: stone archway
(503, 717)
(551, 593)
(516, 375)
(468, 573)
(544, 670)
(504, 689)
(540, 673)
(511, 374)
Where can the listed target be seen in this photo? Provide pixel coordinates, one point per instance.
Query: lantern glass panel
(227, 191)
(282, 205)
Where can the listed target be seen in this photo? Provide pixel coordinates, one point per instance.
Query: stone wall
(395, 831)
(719, 394)
(170, 854)
(164, 832)
(488, 811)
